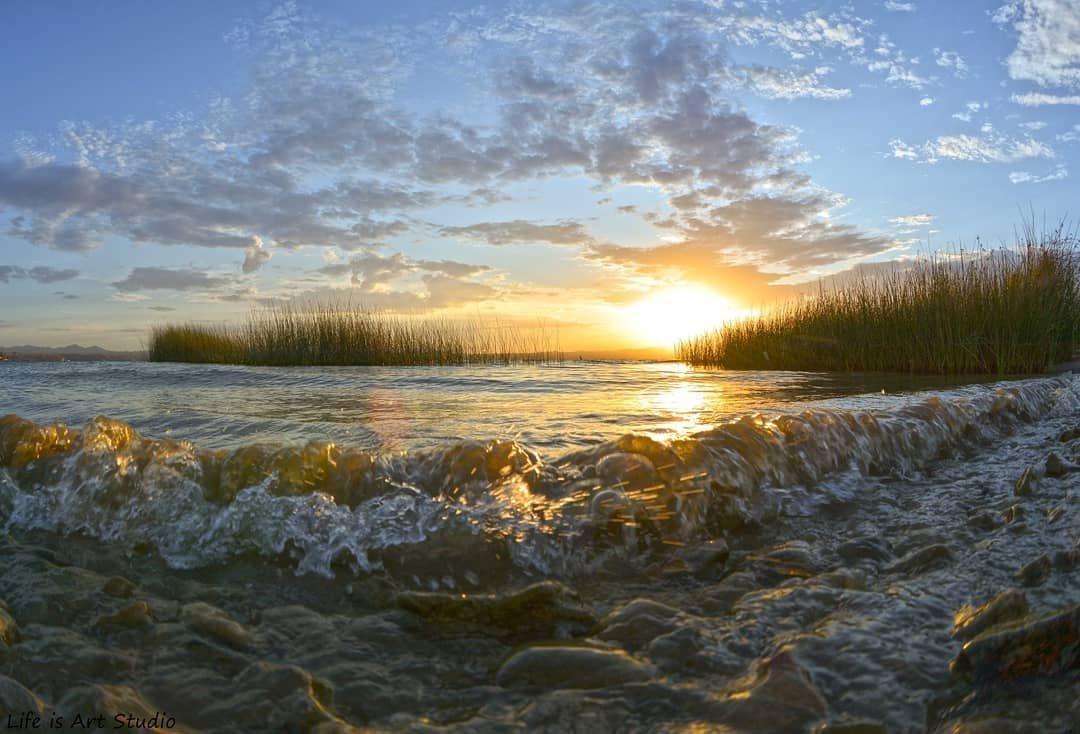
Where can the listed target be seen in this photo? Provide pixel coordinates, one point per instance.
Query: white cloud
(912, 220)
(951, 60)
(902, 150)
(255, 257)
(926, 101)
(1048, 41)
(1034, 125)
(989, 147)
(1059, 172)
(969, 110)
(896, 7)
(1034, 99)
(790, 83)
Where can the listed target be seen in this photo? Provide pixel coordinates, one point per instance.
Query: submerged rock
(875, 549)
(985, 521)
(119, 587)
(781, 698)
(922, 559)
(1007, 606)
(543, 609)
(851, 726)
(1012, 513)
(9, 631)
(571, 667)
(133, 615)
(638, 623)
(107, 701)
(1043, 646)
(15, 698)
(1025, 485)
(215, 623)
(1035, 572)
(1058, 467)
(270, 696)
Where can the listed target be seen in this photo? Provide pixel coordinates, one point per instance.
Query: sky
(626, 172)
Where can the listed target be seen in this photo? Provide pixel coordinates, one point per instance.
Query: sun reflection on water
(679, 408)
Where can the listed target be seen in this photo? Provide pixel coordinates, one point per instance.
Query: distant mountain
(71, 352)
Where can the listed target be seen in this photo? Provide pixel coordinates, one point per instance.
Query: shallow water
(296, 550)
(547, 407)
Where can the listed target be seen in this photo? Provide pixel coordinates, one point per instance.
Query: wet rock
(1043, 646)
(985, 521)
(215, 623)
(781, 698)
(1025, 485)
(133, 615)
(1067, 560)
(922, 559)
(119, 587)
(544, 609)
(89, 701)
(874, 549)
(692, 648)
(993, 725)
(570, 711)
(851, 726)
(1035, 572)
(1012, 513)
(1007, 606)
(638, 623)
(1058, 467)
(15, 698)
(570, 667)
(1068, 435)
(274, 697)
(628, 471)
(705, 560)
(9, 631)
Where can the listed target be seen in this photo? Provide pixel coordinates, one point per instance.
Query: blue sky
(601, 166)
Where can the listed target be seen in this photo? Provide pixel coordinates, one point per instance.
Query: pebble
(922, 559)
(214, 622)
(570, 667)
(1025, 485)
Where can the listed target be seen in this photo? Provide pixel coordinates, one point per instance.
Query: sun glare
(666, 316)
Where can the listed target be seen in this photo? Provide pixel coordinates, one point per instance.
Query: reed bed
(329, 335)
(1006, 311)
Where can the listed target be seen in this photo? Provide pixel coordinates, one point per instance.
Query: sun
(678, 312)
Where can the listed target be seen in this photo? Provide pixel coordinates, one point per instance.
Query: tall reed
(1007, 311)
(324, 334)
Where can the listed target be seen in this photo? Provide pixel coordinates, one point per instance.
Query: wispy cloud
(1034, 99)
(171, 279)
(1059, 172)
(39, 273)
(988, 147)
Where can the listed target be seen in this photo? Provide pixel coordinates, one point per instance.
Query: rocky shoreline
(947, 600)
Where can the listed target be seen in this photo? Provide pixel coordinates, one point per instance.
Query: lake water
(551, 408)
(580, 547)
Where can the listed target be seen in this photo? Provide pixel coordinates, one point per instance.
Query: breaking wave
(469, 513)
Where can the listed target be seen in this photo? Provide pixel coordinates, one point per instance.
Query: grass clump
(1007, 311)
(329, 335)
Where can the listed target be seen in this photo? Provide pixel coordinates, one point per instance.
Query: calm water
(550, 408)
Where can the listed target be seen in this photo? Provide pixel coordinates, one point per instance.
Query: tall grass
(328, 335)
(1007, 311)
